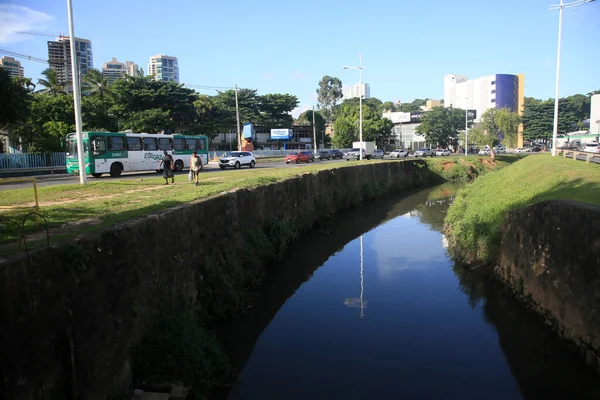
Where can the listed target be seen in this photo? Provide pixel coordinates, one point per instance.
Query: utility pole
(314, 131)
(76, 96)
(360, 92)
(466, 131)
(237, 117)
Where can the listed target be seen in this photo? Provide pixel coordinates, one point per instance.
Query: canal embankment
(74, 314)
(536, 226)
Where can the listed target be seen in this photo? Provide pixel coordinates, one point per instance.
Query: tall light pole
(560, 8)
(360, 95)
(466, 131)
(76, 96)
(237, 118)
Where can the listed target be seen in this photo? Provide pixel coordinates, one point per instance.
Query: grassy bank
(474, 221)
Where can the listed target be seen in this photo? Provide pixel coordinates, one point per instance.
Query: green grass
(105, 203)
(475, 219)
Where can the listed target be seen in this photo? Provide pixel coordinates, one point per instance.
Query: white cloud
(15, 18)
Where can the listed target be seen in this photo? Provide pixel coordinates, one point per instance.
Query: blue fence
(32, 160)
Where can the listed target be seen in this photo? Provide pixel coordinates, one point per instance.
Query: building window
(494, 91)
(493, 100)
(493, 82)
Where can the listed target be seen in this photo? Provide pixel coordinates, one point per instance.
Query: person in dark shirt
(167, 164)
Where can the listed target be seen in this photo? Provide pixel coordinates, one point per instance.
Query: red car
(297, 157)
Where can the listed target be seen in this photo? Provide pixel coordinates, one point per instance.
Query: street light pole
(466, 131)
(360, 68)
(76, 96)
(560, 8)
(237, 118)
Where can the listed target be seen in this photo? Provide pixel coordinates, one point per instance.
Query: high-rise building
(595, 115)
(59, 57)
(114, 69)
(12, 66)
(164, 68)
(352, 91)
(481, 94)
(133, 69)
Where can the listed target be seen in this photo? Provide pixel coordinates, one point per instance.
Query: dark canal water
(371, 307)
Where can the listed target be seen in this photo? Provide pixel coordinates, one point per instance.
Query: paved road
(49, 180)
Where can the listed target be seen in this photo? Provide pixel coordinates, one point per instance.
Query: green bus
(117, 152)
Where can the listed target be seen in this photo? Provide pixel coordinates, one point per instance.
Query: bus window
(134, 143)
(115, 143)
(202, 144)
(191, 144)
(150, 144)
(178, 144)
(98, 145)
(165, 144)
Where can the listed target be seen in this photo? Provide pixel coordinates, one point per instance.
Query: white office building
(13, 67)
(481, 94)
(164, 68)
(59, 57)
(352, 91)
(404, 130)
(133, 69)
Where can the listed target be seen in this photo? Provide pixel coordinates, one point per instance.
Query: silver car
(378, 154)
(424, 153)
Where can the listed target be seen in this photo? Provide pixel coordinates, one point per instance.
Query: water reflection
(432, 331)
(360, 302)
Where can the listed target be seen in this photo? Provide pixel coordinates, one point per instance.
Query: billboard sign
(248, 130)
(397, 117)
(281, 134)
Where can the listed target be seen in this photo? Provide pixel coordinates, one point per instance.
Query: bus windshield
(71, 147)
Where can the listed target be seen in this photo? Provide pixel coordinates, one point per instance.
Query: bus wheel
(96, 175)
(178, 165)
(116, 169)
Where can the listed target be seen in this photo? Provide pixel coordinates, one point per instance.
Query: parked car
(535, 149)
(499, 150)
(378, 154)
(335, 153)
(399, 153)
(591, 148)
(323, 155)
(520, 150)
(237, 159)
(354, 154)
(484, 152)
(311, 155)
(424, 153)
(297, 157)
(442, 152)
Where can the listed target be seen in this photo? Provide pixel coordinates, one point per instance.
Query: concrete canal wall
(71, 314)
(550, 256)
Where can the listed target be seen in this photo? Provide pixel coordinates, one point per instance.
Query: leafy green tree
(14, 99)
(306, 118)
(142, 103)
(248, 105)
(538, 119)
(329, 93)
(211, 120)
(375, 128)
(388, 106)
(441, 125)
(275, 109)
(497, 125)
(51, 84)
(414, 106)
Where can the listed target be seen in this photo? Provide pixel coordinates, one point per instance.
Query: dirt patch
(489, 163)
(447, 165)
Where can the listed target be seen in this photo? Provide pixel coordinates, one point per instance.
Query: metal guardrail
(32, 160)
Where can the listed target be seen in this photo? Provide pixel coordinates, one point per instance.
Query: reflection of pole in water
(360, 302)
(362, 288)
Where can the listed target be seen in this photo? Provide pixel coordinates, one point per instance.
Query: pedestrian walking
(195, 166)
(168, 167)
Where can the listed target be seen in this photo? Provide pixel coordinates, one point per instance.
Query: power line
(19, 55)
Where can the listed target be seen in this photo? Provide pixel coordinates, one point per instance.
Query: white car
(499, 150)
(424, 153)
(484, 152)
(591, 148)
(378, 154)
(237, 159)
(398, 153)
(520, 150)
(442, 152)
(354, 154)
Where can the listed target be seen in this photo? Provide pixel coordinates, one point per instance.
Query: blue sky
(286, 47)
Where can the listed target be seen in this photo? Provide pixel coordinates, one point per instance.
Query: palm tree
(51, 84)
(95, 83)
